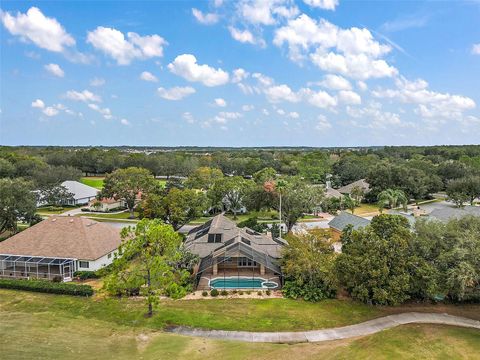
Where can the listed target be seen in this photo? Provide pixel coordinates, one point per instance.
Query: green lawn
(40, 326)
(51, 210)
(120, 216)
(93, 181)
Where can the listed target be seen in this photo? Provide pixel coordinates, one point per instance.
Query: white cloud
(322, 123)
(431, 103)
(97, 82)
(322, 4)
(175, 93)
(265, 112)
(105, 112)
(349, 97)
(239, 75)
(293, 115)
(279, 93)
(188, 117)
(50, 111)
(263, 80)
(186, 66)
(126, 49)
(476, 49)
(319, 99)
(84, 95)
(148, 76)
(55, 69)
(47, 33)
(248, 107)
(265, 12)
(124, 122)
(245, 36)
(220, 102)
(336, 82)
(280, 112)
(205, 19)
(362, 85)
(38, 104)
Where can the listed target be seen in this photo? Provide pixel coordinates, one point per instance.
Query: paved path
(365, 328)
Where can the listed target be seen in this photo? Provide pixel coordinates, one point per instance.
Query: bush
(57, 279)
(240, 292)
(259, 293)
(248, 292)
(204, 293)
(45, 286)
(268, 292)
(84, 275)
(224, 293)
(214, 293)
(234, 291)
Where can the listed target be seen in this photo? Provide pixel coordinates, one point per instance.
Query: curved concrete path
(345, 332)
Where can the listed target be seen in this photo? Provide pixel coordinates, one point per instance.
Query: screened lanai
(33, 267)
(237, 265)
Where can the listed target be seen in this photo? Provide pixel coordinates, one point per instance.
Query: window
(246, 262)
(83, 264)
(109, 255)
(214, 238)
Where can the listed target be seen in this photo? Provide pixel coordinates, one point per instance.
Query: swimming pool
(242, 282)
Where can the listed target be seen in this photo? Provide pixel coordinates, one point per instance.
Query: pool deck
(206, 277)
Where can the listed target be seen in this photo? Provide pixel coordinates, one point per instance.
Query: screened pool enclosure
(32, 267)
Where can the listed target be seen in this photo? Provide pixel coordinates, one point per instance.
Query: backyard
(68, 327)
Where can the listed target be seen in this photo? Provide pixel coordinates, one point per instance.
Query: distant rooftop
(341, 221)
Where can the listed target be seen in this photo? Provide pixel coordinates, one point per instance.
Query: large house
(450, 212)
(233, 257)
(361, 184)
(82, 193)
(57, 247)
(339, 223)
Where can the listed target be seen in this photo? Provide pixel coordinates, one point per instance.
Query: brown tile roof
(64, 237)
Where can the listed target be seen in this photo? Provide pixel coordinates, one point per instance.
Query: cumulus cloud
(55, 69)
(148, 76)
(349, 97)
(322, 4)
(186, 66)
(175, 93)
(239, 75)
(47, 33)
(188, 117)
(105, 112)
(476, 49)
(266, 12)
(282, 92)
(205, 18)
(293, 115)
(85, 96)
(336, 82)
(320, 99)
(351, 52)
(245, 36)
(220, 102)
(97, 82)
(125, 49)
(50, 111)
(38, 104)
(430, 103)
(248, 107)
(124, 122)
(322, 123)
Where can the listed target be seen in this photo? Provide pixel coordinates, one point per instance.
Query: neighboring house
(340, 222)
(332, 193)
(448, 213)
(106, 204)
(233, 257)
(82, 193)
(362, 184)
(57, 247)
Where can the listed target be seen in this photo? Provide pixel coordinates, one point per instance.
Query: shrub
(240, 292)
(214, 293)
(57, 279)
(204, 293)
(224, 293)
(234, 291)
(45, 286)
(84, 275)
(268, 292)
(259, 293)
(248, 292)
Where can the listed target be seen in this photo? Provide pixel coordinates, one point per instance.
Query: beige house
(57, 247)
(106, 205)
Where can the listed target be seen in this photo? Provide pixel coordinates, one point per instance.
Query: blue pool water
(242, 283)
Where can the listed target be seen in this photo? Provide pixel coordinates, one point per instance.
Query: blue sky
(243, 73)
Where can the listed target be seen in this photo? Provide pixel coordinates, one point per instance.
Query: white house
(82, 193)
(57, 247)
(106, 204)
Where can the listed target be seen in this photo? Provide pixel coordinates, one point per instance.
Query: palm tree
(349, 203)
(392, 198)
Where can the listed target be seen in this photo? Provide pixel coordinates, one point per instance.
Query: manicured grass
(93, 181)
(365, 209)
(47, 210)
(39, 326)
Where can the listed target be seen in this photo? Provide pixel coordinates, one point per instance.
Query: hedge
(45, 286)
(84, 275)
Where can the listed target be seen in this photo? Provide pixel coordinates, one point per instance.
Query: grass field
(120, 216)
(93, 181)
(39, 326)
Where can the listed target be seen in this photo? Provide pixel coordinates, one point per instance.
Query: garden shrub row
(45, 286)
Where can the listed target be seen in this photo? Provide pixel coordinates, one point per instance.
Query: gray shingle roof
(362, 184)
(447, 213)
(341, 221)
(197, 238)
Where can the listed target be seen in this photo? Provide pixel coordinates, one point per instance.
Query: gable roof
(362, 184)
(341, 221)
(79, 190)
(332, 193)
(448, 213)
(64, 237)
(197, 238)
